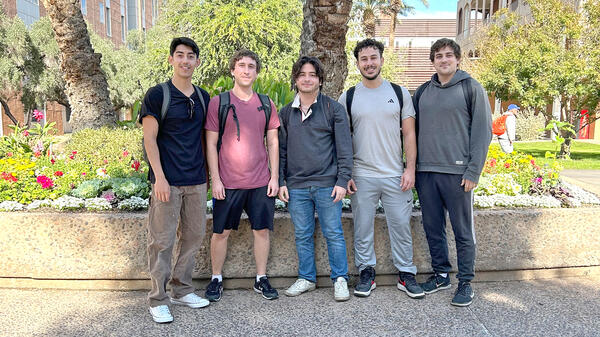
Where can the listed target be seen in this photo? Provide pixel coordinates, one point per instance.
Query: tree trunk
(86, 84)
(393, 21)
(7, 112)
(369, 23)
(324, 36)
(565, 148)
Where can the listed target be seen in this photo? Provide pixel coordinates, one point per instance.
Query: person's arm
(273, 148)
(283, 191)
(161, 185)
(212, 158)
(343, 149)
(409, 142)
(479, 138)
(511, 128)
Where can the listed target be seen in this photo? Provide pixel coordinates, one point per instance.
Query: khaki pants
(187, 208)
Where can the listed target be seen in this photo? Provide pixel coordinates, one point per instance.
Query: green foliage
(552, 54)
(33, 141)
(271, 28)
(279, 91)
(564, 128)
(529, 125)
(89, 189)
(584, 155)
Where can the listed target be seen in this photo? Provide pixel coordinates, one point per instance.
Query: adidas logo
(391, 101)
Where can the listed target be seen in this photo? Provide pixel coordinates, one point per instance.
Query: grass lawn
(584, 156)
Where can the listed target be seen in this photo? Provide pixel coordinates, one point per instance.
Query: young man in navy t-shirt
(175, 148)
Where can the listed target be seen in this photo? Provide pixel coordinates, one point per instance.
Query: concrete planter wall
(112, 246)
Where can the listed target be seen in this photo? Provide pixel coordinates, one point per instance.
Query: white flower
(101, 172)
(133, 204)
(68, 203)
(11, 206)
(280, 205)
(39, 203)
(209, 205)
(97, 204)
(583, 196)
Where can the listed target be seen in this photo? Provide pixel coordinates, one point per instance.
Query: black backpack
(467, 91)
(165, 108)
(225, 106)
(350, 98)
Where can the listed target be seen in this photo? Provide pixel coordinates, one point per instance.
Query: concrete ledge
(50, 248)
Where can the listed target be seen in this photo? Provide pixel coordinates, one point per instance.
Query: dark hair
(366, 43)
(240, 54)
(442, 43)
(319, 69)
(184, 41)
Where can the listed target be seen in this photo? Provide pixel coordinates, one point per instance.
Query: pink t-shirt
(243, 163)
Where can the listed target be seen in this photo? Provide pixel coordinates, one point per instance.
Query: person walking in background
(509, 121)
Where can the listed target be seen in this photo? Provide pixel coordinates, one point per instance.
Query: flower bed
(101, 170)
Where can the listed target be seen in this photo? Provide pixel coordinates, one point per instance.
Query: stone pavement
(586, 179)
(551, 307)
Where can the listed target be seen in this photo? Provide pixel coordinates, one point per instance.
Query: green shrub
(279, 91)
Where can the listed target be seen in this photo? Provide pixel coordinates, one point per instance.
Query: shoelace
(365, 276)
(462, 289)
(213, 285)
(410, 280)
(265, 285)
(164, 310)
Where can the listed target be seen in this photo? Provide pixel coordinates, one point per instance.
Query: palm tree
(394, 8)
(369, 9)
(85, 82)
(323, 35)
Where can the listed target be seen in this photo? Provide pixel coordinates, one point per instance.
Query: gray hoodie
(452, 140)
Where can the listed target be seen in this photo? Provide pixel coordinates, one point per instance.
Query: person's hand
(407, 181)
(272, 188)
(338, 193)
(351, 189)
(162, 190)
(218, 190)
(283, 194)
(468, 184)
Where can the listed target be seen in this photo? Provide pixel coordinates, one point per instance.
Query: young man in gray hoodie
(454, 131)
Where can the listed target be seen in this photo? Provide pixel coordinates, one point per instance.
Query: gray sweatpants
(398, 207)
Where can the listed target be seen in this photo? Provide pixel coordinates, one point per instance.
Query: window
(101, 13)
(143, 15)
(123, 29)
(132, 14)
(28, 11)
(83, 7)
(154, 11)
(108, 23)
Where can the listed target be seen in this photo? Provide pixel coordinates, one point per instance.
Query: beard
(370, 78)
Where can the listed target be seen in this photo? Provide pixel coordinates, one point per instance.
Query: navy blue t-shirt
(179, 137)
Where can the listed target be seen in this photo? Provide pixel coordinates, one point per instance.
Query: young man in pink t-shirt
(239, 170)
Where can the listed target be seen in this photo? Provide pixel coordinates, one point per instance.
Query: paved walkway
(554, 307)
(586, 179)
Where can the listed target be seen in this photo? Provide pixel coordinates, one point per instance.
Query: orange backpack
(499, 125)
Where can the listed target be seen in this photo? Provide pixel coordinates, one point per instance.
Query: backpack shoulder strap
(204, 107)
(223, 111)
(266, 107)
(468, 92)
(166, 101)
(399, 95)
(416, 99)
(349, 99)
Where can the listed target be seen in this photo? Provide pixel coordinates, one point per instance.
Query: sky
(438, 9)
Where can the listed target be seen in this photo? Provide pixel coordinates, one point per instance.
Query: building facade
(412, 42)
(110, 19)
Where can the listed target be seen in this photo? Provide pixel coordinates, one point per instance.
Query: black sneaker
(436, 282)
(463, 295)
(408, 284)
(262, 286)
(214, 290)
(366, 283)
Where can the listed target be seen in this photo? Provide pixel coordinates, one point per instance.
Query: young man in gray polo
(383, 124)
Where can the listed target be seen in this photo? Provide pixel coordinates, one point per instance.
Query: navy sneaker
(436, 282)
(408, 284)
(366, 283)
(214, 290)
(464, 294)
(262, 286)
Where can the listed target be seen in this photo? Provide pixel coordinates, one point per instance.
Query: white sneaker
(340, 288)
(161, 314)
(191, 300)
(300, 286)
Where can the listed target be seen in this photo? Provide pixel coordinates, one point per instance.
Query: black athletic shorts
(259, 207)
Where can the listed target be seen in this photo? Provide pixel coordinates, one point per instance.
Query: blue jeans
(302, 205)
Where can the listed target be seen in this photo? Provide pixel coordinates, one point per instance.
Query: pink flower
(25, 133)
(45, 182)
(493, 162)
(52, 161)
(8, 177)
(507, 165)
(538, 180)
(105, 161)
(58, 173)
(38, 115)
(136, 165)
(125, 153)
(71, 156)
(82, 173)
(533, 162)
(37, 153)
(74, 152)
(9, 154)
